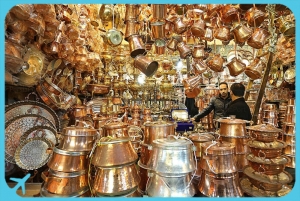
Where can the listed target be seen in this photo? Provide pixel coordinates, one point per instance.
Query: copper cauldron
(158, 129)
(236, 67)
(220, 185)
(266, 150)
(114, 181)
(232, 127)
(255, 68)
(68, 161)
(64, 183)
(272, 166)
(113, 152)
(145, 65)
(77, 139)
(218, 158)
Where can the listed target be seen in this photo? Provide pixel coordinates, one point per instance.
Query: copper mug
(254, 70)
(209, 34)
(241, 33)
(236, 67)
(184, 50)
(222, 33)
(198, 28)
(228, 13)
(145, 65)
(132, 28)
(216, 63)
(136, 45)
(259, 38)
(287, 28)
(159, 11)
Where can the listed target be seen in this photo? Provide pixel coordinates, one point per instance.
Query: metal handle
(261, 168)
(262, 153)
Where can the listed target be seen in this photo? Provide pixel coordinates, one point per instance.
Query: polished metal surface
(158, 129)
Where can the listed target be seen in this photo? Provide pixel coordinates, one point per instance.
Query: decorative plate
(16, 127)
(32, 154)
(40, 131)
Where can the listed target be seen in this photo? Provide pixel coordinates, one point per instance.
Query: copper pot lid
(115, 125)
(172, 142)
(220, 148)
(231, 120)
(264, 128)
(79, 131)
(277, 144)
(159, 123)
(201, 137)
(268, 161)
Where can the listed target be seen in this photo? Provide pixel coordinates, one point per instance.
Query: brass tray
(31, 107)
(251, 190)
(32, 154)
(42, 132)
(16, 127)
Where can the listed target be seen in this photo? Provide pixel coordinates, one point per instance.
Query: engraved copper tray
(32, 154)
(16, 127)
(40, 131)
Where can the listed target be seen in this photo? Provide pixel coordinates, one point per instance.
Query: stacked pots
(269, 114)
(68, 167)
(152, 131)
(220, 175)
(115, 170)
(171, 166)
(234, 131)
(265, 172)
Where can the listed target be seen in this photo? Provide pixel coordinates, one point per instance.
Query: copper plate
(16, 127)
(31, 107)
(31, 154)
(40, 131)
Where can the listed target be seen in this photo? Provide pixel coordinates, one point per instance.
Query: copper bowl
(97, 89)
(266, 150)
(113, 152)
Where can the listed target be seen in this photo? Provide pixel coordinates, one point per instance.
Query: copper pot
(241, 33)
(264, 132)
(158, 30)
(236, 67)
(179, 26)
(132, 12)
(292, 163)
(160, 47)
(198, 28)
(97, 89)
(115, 128)
(132, 28)
(68, 161)
(272, 166)
(232, 127)
(159, 11)
(145, 65)
(113, 152)
(63, 183)
(198, 139)
(258, 38)
(241, 161)
(216, 63)
(145, 155)
(122, 180)
(240, 143)
(290, 150)
(136, 45)
(184, 50)
(218, 158)
(222, 33)
(199, 66)
(143, 173)
(266, 150)
(198, 51)
(191, 82)
(255, 16)
(209, 34)
(254, 69)
(158, 129)
(172, 44)
(229, 13)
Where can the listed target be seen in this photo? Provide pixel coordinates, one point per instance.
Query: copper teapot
(236, 67)
(216, 63)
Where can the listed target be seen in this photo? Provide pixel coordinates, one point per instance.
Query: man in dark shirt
(238, 107)
(218, 104)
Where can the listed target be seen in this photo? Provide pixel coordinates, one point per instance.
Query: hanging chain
(271, 27)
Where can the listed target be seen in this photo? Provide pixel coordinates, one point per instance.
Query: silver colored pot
(172, 156)
(175, 186)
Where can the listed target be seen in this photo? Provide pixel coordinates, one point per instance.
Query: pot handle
(261, 169)
(262, 154)
(44, 176)
(49, 150)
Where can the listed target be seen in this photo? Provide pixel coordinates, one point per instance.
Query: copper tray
(40, 131)
(16, 127)
(31, 107)
(31, 154)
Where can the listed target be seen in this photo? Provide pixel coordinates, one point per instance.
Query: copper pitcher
(216, 63)
(254, 70)
(184, 50)
(241, 33)
(198, 51)
(136, 45)
(236, 67)
(160, 47)
(255, 16)
(258, 38)
(179, 26)
(191, 82)
(145, 65)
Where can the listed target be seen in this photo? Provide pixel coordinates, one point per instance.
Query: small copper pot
(180, 27)
(198, 28)
(254, 69)
(241, 33)
(158, 129)
(229, 13)
(158, 30)
(160, 46)
(198, 139)
(184, 50)
(132, 12)
(236, 67)
(222, 33)
(258, 38)
(255, 16)
(198, 51)
(216, 63)
(132, 28)
(172, 44)
(145, 65)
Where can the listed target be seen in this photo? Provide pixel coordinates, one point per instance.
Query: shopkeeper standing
(218, 104)
(238, 107)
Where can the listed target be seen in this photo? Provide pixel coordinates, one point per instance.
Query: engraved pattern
(42, 132)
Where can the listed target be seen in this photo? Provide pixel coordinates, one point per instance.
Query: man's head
(237, 89)
(223, 88)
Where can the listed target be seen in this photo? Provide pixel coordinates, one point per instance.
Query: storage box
(182, 118)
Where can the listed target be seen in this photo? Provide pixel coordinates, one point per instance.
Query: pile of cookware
(171, 168)
(115, 171)
(269, 114)
(265, 175)
(289, 133)
(152, 130)
(234, 131)
(220, 174)
(67, 175)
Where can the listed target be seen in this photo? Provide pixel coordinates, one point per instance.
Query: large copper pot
(113, 152)
(114, 181)
(218, 158)
(115, 129)
(68, 161)
(64, 183)
(272, 166)
(240, 143)
(264, 132)
(77, 139)
(266, 150)
(232, 127)
(220, 185)
(198, 139)
(158, 129)
(172, 156)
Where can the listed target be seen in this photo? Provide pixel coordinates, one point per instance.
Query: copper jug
(160, 47)
(136, 45)
(255, 16)
(198, 51)
(191, 82)
(184, 50)
(287, 28)
(180, 27)
(132, 28)
(198, 28)
(241, 33)
(259, 38)
(209, 34)
(236, 67)
(216, 63)
(254, 70)
(158, 29)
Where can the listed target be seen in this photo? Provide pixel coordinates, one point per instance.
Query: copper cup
(145, 65)
(132, 28)
(241, 33)
(160, 46)
(184, 50)
(136, 45)
(158, 29)
(198, 28)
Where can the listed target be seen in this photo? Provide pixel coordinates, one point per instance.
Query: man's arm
(206, 110)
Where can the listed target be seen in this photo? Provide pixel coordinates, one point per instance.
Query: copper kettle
(236, 67)
(216, 63)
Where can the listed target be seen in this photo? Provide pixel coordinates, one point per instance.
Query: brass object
(266, 150)
(146, 65)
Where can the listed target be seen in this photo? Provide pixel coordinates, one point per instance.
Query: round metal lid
(264, 128)
(219, 148)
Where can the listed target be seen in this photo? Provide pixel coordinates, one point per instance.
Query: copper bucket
(159, 11)
(184, 50)
(158, 29)
(136, 45)
(145, 65)
(158, 129)
(236, 67)
(258, 38)
(254, 70)
(132, 12)
(160, 46)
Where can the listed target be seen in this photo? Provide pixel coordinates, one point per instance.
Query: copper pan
(145, 65)
(112, 152)
(136, 45)
(63, 183)
(121, 180)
